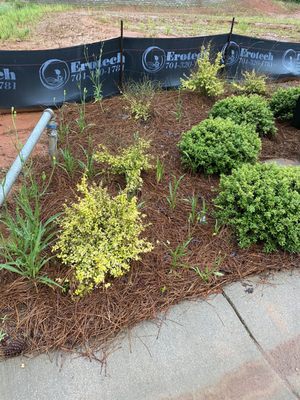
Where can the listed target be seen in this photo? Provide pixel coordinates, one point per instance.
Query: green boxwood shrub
(262, 203)
(252, 109)
(218, 145)
(283, 102)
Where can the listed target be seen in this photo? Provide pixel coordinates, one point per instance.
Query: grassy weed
(16, 18)
(24, 251)
(139, 97)
(173, 189)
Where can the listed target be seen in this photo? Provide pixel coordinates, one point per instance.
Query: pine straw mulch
(44, 319)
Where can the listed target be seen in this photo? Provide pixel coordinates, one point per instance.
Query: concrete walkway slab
(271, 312)
(201, 351)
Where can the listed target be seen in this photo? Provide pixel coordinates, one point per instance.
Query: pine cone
(13, 348)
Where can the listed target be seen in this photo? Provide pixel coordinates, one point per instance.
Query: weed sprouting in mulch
(49, 319)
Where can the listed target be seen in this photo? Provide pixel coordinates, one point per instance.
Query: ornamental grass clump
(131, 162)
(205, 79)
(99, 237)
(283, 102)
(252, 109)
(218, 145)
(139, 98)
(25, 250)
(261, 203)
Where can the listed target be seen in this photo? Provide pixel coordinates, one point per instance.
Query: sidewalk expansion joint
(259, 347)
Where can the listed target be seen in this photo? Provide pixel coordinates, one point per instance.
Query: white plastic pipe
(22, 157)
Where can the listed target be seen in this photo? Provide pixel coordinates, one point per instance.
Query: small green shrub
(252, 83)
(205, 78)
(262, 203)
(131, 162)
(283, 102)
(218, 145)
(252, 109)
(100, 236)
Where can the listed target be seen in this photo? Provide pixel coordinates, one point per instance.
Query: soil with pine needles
(41, 318)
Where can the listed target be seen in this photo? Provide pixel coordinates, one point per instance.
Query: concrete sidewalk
(240, 345)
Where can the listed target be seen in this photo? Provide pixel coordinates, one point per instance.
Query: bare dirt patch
(13, 135)
(92, 24)
(67, 29)
(262, 6)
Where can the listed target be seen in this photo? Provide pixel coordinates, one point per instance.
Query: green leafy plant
(69, 162)
(252, 109)
(3, 319)
(179, 107)
(205, 78)
(207, 273)
(88, 165)
(252, 83)
(173, 189)
(2, 335)
(218, 145)
(95, 77)
(99, 236)
(178, 253)
(283, 102)
(139, 97)
(63, 132)
(261, 203)
(217, 227)
(24, 250)
(131, 162)
(196, 215)
(160, 169)
(95, 73)
(81, 120)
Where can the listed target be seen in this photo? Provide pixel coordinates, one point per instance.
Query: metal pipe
(52, 139)
(22, 157)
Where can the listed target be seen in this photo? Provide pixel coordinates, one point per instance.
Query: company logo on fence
(153, 59)
(234, 53)
(8, 79)
(231, 53)
(291, 61)
(54, 74)
(7, 75)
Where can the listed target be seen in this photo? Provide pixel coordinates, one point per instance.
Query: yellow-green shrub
(205, 78)
(131, 162)
(252, 83)
(100, 236)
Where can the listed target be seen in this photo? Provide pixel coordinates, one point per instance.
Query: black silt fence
(48, 78)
